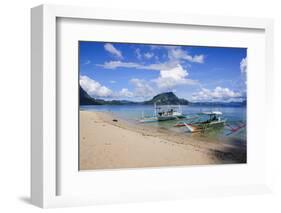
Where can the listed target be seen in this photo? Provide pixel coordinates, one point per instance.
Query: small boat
(168, 112)
(164, 113)
(203, 121)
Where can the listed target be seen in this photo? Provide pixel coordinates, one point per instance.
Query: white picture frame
(44, 149)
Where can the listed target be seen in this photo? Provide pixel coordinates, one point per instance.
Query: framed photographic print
(149, 106)
(163, 105)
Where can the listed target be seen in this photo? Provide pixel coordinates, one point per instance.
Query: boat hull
(171, 117)
(166, 118)
(212, 124)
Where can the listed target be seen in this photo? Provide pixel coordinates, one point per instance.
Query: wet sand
(107, 142)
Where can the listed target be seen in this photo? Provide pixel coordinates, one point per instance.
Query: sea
(235, 117)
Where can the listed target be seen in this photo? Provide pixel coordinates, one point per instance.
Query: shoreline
(108, 142)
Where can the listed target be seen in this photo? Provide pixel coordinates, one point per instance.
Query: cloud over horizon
(94, 88)
(217, 94)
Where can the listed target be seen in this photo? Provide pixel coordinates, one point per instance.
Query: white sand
(106, 145)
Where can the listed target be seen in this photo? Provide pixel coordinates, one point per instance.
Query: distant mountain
(220, 104)
(167, 98)
(163, 98)
(85, 99)
(114, 102)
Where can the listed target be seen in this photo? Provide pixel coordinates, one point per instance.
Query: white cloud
(243, 69)
(218, 94)
(158, 66)
(198, 59)
(111, 49)
(116, 64)
(125, 93)
(94, 88)
(112, 82)
(172, 77)
(171, 72)
(138, 53)
(148, 55)
(142, 88)
(177, 53)
(87, 62)
(243, 65)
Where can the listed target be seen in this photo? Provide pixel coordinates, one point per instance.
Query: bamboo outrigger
(198, 124)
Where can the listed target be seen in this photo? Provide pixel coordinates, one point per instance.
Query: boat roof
(212, 113)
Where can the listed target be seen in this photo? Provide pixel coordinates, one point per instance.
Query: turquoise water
(234, 116)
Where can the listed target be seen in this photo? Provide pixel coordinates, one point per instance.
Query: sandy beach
(107, 142)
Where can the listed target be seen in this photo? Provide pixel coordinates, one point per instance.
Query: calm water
(234, 115)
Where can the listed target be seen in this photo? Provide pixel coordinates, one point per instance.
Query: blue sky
(138, 72)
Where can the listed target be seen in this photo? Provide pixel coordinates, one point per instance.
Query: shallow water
(234, 116)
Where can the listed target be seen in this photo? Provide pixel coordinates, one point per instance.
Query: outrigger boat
(203, 121)
(164, 113)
